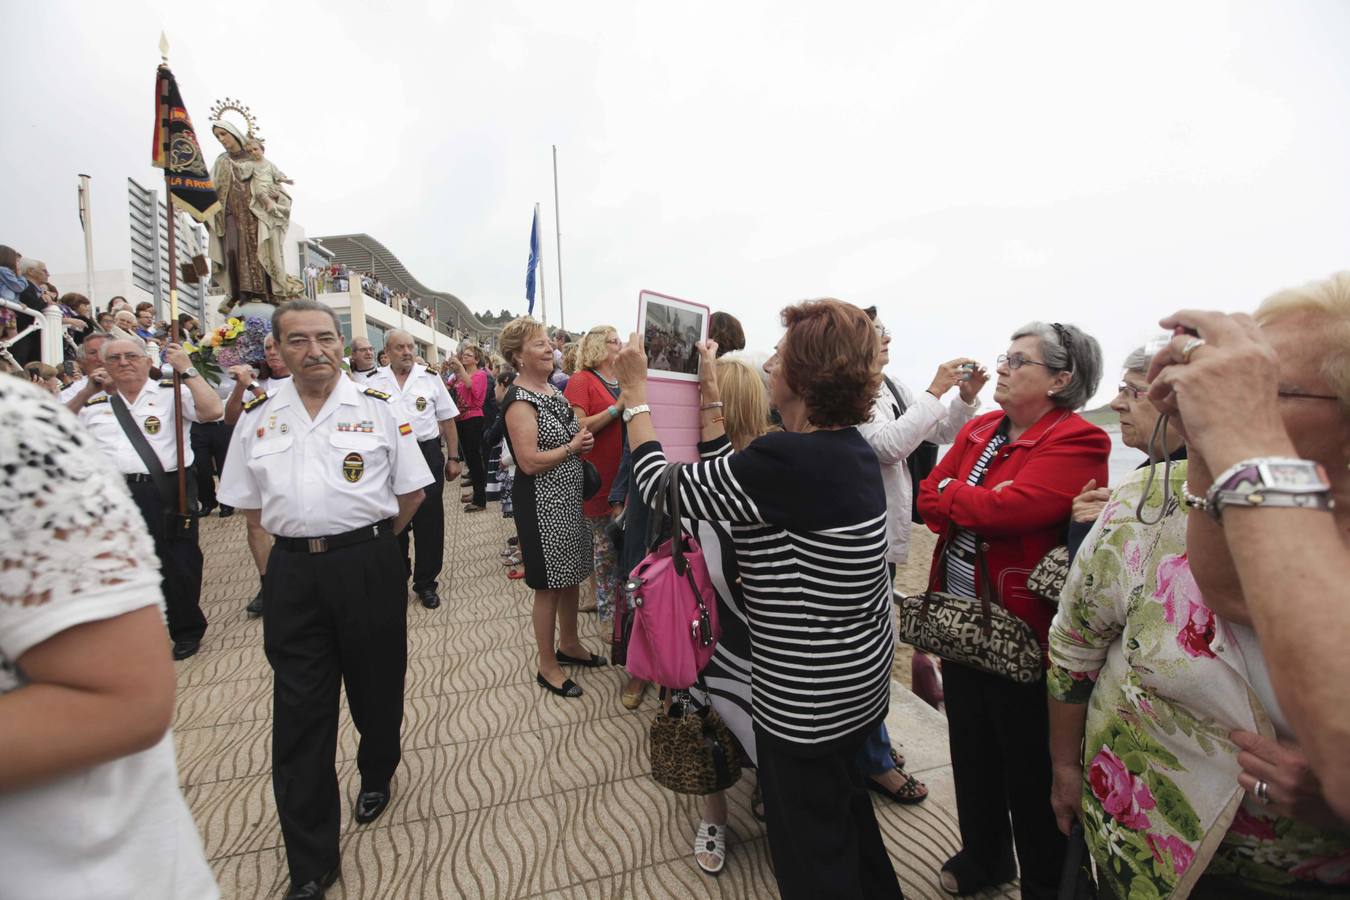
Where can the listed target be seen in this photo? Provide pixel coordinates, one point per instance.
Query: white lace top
(74, 549)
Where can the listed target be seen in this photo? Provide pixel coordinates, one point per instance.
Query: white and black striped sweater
(808, 518)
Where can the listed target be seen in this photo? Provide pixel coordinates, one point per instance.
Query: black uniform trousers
(999, 732)
(180, 560)
(330, 618)
(209, 442)
(823, 834)
(471, 446)
(428, 523)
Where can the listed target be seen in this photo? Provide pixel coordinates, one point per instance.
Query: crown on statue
(220, 107)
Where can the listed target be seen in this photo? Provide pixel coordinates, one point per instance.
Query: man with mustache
(332, 471)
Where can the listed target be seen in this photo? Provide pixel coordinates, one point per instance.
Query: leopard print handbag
(974, 632)
(692, 750)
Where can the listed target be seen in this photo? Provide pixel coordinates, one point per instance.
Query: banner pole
(557, 230)
(543, 304)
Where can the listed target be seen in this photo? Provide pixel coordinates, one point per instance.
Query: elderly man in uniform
(363, 360)
(125, 381)
(333, 471)
(425, 402)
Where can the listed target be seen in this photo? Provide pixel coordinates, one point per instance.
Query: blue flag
(534, 260)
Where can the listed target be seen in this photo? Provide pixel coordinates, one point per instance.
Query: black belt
(336, 541)
(143, 478)
(207, 424)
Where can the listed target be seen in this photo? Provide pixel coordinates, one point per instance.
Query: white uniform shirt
(328, 475)
(363, 377)
(75, 387)
(894, 437)
(153, 414)
(424, 399)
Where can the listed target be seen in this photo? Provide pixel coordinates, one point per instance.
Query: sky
(966, 167)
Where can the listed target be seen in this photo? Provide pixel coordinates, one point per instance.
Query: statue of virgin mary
(248, 233)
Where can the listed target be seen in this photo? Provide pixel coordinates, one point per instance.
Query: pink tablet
(670, 328)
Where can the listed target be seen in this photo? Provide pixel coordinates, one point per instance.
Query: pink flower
(1133, 553)
(1248, 825)
(1121, 794)
(1184, 607)
(1326, 869)
(1182, 854)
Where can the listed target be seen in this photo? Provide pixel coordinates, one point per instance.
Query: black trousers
(823, 835)
(471, 447)
(331, 618)
(428, 524)
(209, 442)
(1000, 744)
(180, 561)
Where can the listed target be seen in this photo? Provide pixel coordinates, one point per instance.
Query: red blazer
(1048, 466)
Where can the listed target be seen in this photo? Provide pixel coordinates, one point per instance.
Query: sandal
(898, 758)
(912, 791)
(569, 687)
(594, 662)
(711, 840)
(515, 575)
(633, 699)
(961, 875)
(512, 560)
(757, 802)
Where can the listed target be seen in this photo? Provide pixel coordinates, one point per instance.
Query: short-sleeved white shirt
(328, 475)
(424, 399)
(118, 829)
(153, 413)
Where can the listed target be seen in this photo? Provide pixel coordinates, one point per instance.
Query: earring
(1049, 393)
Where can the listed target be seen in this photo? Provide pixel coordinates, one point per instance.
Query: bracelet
(716, 404)
(1192, 501)
(613, 411)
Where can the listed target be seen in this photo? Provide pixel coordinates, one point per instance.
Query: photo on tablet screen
(670, 330)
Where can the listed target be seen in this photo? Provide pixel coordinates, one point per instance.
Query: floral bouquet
(237, 342)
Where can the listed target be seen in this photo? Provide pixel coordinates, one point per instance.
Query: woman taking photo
(470, 389)
(1000, 500)
(809, 512)
(594, 395)
(546, 442)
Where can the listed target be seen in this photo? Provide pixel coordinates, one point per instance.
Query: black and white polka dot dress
(555, 543)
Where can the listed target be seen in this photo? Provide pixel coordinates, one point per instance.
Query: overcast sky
(964, 166)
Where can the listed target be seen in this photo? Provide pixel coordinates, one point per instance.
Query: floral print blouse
(1165, 682)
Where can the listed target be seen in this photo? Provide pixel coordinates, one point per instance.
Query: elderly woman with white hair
(1000, 500)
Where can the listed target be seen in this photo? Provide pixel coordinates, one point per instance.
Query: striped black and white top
(807, 515)
(961, 550)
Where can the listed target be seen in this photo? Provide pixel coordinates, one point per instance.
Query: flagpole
(173, 312)
(557, 230)
(543, 305)
(87, 222)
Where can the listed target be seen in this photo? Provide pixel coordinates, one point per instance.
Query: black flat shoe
(569, 687)
(255, 606)
(369, 805)
(184, 649)
(594, 662)
(970, 876)
(429, 598)
(312, 890)
(226, 511)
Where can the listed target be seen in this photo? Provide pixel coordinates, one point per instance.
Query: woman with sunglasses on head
(1000, 500)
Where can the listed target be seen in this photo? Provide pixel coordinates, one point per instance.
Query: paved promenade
(504, 791)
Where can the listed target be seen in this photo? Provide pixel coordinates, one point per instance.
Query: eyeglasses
(1125, 389)
(1301, 395)
(1015, 361)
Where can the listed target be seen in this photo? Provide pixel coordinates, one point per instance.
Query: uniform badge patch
(285, 428)
(353, 466)
(152, 425)
(421, 404)
(261, 431)
(405, 428)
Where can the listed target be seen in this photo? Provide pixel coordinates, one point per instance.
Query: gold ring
(1190, 347)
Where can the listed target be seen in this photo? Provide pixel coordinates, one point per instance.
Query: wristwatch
(635, 410)
(942, 485)
(190, 372)
(1283, 482)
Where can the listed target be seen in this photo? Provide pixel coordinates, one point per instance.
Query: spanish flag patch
(405, 428)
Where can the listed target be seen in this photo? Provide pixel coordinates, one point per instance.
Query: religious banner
(177, 152)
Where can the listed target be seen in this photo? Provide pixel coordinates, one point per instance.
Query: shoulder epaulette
(255, 402)
(101, 398)
(379, 395)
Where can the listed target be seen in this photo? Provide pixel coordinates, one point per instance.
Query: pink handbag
(674, 606)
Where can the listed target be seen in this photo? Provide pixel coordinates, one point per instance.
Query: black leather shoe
(184, 649)
(429, 598)
(312, 890)
(226, 511)
(369, 805)
(255, 606)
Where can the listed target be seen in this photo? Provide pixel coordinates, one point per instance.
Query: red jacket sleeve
(934, 514)
(1042, 490)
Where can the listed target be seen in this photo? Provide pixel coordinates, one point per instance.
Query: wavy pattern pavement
(504, 791)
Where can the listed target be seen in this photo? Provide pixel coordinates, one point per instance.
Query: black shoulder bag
(177, 525)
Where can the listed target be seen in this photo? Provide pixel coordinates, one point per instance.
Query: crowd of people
(337, 277)
(1183, 727)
